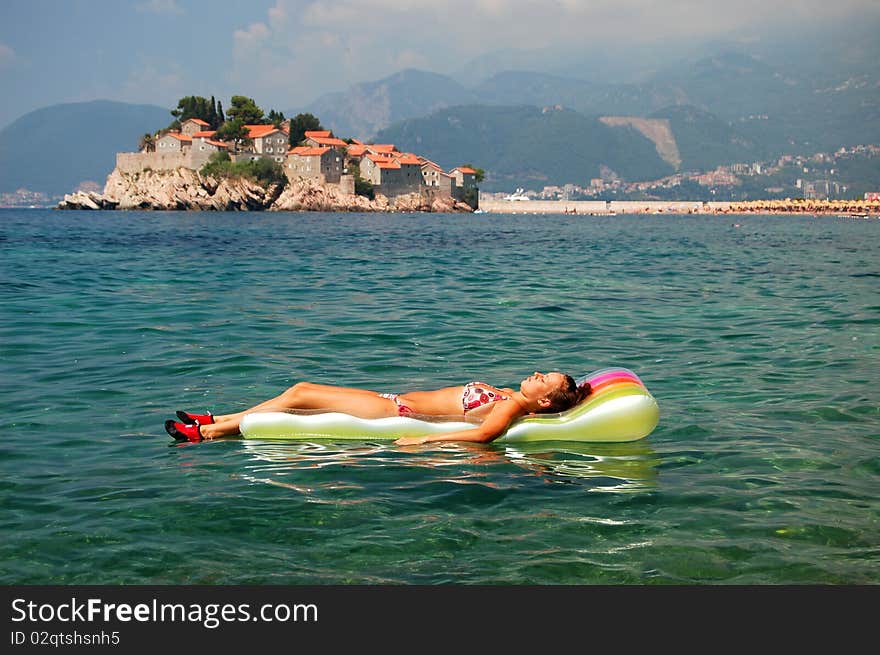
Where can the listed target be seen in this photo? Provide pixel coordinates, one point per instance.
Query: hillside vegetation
(527, 145)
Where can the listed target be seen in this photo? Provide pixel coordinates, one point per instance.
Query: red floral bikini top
(477, 394)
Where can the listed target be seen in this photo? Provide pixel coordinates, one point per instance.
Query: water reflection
(619, 467)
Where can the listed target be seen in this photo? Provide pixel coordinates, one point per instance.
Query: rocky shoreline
(802, 206)
(186, 190)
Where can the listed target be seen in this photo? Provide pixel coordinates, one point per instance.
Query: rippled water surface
(757, 335)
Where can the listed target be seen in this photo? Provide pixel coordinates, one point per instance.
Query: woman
(538, 393)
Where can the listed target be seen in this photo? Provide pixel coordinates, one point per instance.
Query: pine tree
(299, 125)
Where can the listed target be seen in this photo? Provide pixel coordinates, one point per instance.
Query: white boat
(517, 195)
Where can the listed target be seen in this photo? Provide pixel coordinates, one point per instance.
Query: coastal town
(320, 157)
(790, 177)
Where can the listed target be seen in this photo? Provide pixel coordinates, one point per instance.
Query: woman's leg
(307, 395)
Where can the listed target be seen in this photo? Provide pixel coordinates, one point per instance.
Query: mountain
(705, 141)
(55, 149)
(366, 108)
(522, 145)
(532, 88)
(804, 95)
(783, 108)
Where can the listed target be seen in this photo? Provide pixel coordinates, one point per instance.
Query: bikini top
(477, 394)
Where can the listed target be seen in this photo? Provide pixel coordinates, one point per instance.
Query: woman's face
(539, 385)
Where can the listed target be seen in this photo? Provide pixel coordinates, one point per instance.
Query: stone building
(436, 179)
(465, 177)
(193, 125)
(314, 163)
(324, 138)
(267, 141)
(203, 147)
(392, 173)
(173, 142)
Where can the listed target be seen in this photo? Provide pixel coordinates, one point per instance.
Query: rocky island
(188, 190)
(250, 162)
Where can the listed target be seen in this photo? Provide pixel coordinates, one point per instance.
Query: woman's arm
(492, 427)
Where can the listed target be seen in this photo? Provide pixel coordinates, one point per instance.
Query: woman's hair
(566, 396)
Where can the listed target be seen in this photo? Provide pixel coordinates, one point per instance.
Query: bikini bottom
(402, 410)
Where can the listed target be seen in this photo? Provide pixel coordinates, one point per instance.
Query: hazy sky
(285, 53)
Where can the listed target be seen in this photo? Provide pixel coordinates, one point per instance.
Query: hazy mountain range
(823, 89)
(523, 127)
(55, 149)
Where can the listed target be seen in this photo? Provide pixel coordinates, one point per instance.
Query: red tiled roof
(197, 121)
(204, 134)
(259, 131)
(357, 150)
(307, 151)
(465, 170)
(382, 147)
(319, 134)
(409, 159)
(383, 162)
(219, 144)
(328, 141)
(180, 137)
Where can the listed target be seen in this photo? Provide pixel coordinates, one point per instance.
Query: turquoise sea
(758, 335)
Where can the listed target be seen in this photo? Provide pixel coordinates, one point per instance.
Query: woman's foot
(183, 432)
(201, 419)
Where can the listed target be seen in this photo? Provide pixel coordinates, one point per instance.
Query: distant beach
(860, 208)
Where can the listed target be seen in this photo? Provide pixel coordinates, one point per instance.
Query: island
(247, 161)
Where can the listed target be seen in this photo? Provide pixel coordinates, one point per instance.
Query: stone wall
(592, 206)
(346, 185)
(199, 157)
(137, 162)
(401, 181)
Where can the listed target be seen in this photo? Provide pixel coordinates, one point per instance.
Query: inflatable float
(619, 408)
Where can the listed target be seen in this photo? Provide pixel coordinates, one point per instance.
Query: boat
(517, 195)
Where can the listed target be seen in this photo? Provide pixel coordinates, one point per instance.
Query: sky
(287, 53)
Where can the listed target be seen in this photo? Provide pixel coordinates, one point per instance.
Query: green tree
(362, 187)
(220, 117)
(193, 107)
(245, 110)
(276, 118)
(264, 171)
(234, 131)
(147, 143)
(214, 120)
(300, 124)
(219, 165)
